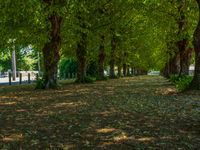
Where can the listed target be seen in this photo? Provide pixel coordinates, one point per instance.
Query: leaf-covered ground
(130, 113)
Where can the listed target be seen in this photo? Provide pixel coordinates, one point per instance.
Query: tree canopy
(144, 35)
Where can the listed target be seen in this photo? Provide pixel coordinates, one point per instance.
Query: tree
(51, 48)
(36, 23)
(195, 84)
(101, 57)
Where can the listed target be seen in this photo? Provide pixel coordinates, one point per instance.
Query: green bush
(89, 79)
(105, 78)
(174, 78)
(92, 69)
(86, 79)
(67, 66)
(40, 84)
(181, 82)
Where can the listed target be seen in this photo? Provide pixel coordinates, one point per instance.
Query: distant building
(153, 72)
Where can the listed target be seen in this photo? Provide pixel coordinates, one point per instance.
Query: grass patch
(181, 82)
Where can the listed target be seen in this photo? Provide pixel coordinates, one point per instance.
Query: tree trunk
(81, 53)
(135, 71)
(112, 57)
(128, 71)
(102, 56)
(119, 70)
(172, 66)
(14, 68)
(51, 53)
(173, 63)
(182, 43)
(165, 71)
(185, 54)
(185, 58)
(195, 84)
(125, 67)
(132, 71)
(124, 70)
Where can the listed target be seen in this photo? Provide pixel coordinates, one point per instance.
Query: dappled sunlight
(106, 143)
(83, 90)
(8, 97)
(7, 103)
(55, 108)
(69, 104)
(21, 110)
(13, 137)
(109, 90)
(146, 139)
(124, 137)
(43, 113)
(68, 146)
(121, 137)
(107, 113)
(166, 91)
(105, 130)
(166, 138)
(65, 92)
(114, 115)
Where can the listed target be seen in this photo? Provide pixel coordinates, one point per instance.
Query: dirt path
(130, 113)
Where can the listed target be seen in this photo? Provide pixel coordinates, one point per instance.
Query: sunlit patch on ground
(21, 110)
(106, 143)
(145, 139)
(166, 138)
(108, 112)
(83, 90)
(105, 130)
(121, 137)
(13, 138)
(69, 105)
(67, 146)
(166, 91)
(8, 97)
(7, 103)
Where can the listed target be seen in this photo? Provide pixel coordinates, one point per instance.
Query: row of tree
(26, 59)
(149, 34)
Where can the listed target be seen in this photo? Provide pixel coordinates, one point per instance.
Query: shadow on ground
(129, 113)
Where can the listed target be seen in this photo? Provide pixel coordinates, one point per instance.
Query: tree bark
(112, 57)
(135, 71)
(51, 53)
(125, 67)
(164, 71)
(185, 58)
(119, 68)
(102, 57)
(132, 71)
(81, 53)
(14, 68)
(172, 66)
(128, 71)
(124, 70)
(195, 84)
(182, 43)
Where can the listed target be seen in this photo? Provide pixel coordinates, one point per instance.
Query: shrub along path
(129, 113)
